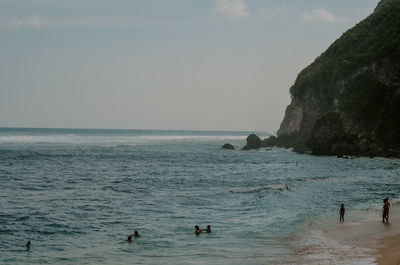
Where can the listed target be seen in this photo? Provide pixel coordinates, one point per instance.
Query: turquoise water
(77, 194)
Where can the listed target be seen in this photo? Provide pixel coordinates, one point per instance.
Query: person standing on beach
(385, 210)
(341, 212)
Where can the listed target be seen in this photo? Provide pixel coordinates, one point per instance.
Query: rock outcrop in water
(347, 102)
(253, 142)
(269, 142)
(228, 146)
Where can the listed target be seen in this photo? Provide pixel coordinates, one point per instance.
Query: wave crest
(112, 139)
(279, 187)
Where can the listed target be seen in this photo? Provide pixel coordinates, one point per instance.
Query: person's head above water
(136, 233)
(28, 244)
(129, 239)
(208, 229)
(197, 227)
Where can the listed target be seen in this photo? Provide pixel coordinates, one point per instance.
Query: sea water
(78, 194)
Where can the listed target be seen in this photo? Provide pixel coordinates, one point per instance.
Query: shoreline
(362, 239)
(381, 239)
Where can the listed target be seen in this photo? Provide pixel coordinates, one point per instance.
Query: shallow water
(77, 194)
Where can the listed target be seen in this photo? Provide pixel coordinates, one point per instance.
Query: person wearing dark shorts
(341, 212)
(385, 210)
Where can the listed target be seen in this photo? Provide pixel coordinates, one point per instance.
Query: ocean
(78, 193)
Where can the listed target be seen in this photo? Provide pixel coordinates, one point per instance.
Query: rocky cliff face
(347, 102)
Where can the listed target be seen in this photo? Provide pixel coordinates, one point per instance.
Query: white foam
(279, 187)
(315, 248)
(113, 139)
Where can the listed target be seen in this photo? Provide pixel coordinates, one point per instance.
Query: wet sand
(390, 253)
(382, 239)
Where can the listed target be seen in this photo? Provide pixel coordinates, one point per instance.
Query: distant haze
(149, 64)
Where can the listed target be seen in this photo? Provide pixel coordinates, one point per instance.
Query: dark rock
(228, 146)
(370, 144)
(253, 142)
(326, 132)
(269, 142)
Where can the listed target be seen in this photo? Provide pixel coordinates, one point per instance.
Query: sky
(161, 64)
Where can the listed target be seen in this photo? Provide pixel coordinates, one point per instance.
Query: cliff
(347, 102)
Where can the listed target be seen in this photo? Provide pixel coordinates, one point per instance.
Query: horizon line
(130, 129)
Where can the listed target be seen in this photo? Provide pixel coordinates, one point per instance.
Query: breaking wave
(112, 139)
(279, 187)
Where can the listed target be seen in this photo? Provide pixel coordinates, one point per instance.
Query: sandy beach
(361, 240)
(389, 254)
(383, 240)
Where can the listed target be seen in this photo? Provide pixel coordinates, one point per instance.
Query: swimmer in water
(129, 240)
(197, 231)
(28, 244)
(136, 234)
(208, 229)
(341, 212)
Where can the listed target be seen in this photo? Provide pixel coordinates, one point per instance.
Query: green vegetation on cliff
(350, 95)
(374, 39)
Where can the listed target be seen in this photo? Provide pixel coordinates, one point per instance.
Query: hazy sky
(161, 64)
